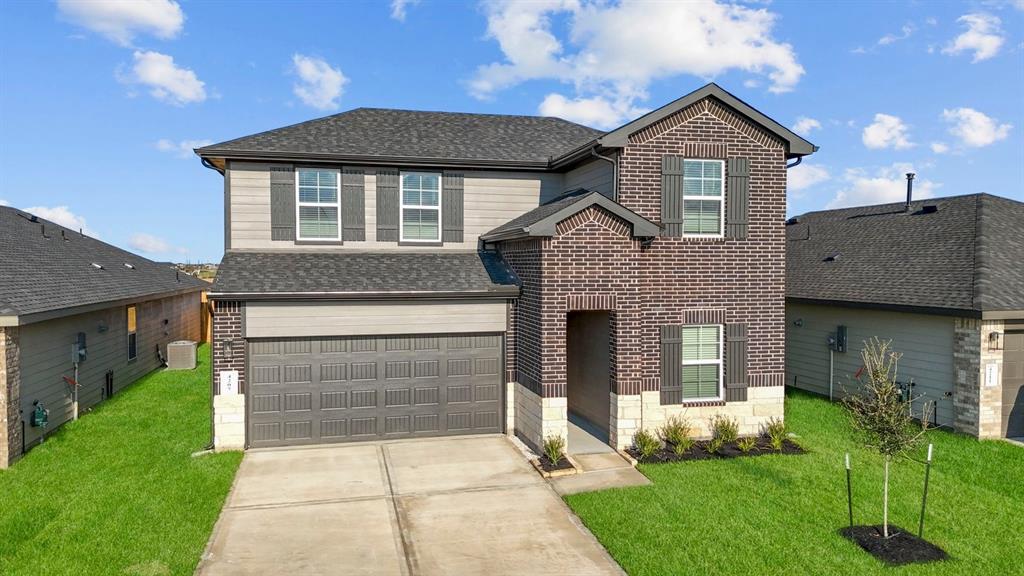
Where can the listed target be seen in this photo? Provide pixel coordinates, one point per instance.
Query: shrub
(683, 446)
(713, 445)
(774, 431)
(746, 444)
(554, 449)
(646, 444)
(676, 430)
(724, 428)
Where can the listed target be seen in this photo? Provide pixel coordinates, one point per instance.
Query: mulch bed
(548, 466)
(901, 547)
(699, 451)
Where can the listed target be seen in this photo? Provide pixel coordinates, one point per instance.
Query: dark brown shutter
(282, 202)
(388, 207)
(671, 365)
(672, 195)
(735, 362)
(452, 207)
(737, 197)
(353, 204)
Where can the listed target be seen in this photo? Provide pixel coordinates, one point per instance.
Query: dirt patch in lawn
(900, 548)
(701, 451)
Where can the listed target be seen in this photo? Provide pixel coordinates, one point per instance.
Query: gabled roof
(964, 256)
(382, 135)
(541, 220)
(52, 270)
(363, 275)
(795, 145)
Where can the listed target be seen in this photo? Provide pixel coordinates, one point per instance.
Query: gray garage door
(1013, 384)
(343, 389)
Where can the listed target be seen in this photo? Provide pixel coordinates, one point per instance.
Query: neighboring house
(942, 278)
(394, 273)
(60, 290)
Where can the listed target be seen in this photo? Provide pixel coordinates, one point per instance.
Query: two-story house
(393, 274)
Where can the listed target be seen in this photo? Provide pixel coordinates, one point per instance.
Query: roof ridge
(978, 259)
(918, 201)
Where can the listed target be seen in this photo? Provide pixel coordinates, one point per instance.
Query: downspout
(615, 171)
(207, 164)
(799, 159)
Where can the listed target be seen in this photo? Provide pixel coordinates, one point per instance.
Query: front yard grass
(781, 514)
(117, 492)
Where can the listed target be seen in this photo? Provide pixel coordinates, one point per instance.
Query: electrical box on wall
(840, 338)
(78, 349)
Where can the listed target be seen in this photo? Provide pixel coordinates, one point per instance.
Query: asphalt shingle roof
(378, 132)
(541, 212)
(967, 255)
(41, 273)
(363, 272)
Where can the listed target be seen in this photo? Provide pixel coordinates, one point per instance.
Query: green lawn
(117, 492)
(780, 514)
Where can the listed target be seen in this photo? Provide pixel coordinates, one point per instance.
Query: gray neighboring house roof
(376, 134)
(541, 220)
(966, 257)
(48, 271)
(338, 275)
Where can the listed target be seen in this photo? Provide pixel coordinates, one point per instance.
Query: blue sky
(100, 102)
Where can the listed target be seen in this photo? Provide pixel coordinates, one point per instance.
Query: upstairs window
(421, 207)
(133, 341)
(703, 192)
(318, 205)
(702, 362)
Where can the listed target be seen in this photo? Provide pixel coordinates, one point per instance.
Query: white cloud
(905, 31)
(398, 8)
(320, 85)
(4, 202)
(61, 215)
(166, 80)
(804, 176)
(886, 131)
(939, 147)
(984, 37)
(805, 125)
(885, 185)
(183, 148)
(121, 20)
(612, 52)
(153, 245)
(974, 128)
(598, 111)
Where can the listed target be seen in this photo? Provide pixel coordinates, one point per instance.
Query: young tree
(880, 415)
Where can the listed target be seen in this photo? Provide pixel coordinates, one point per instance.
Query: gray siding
(596, 175)
(291, 319)
(925, 341)
(490, 198)
(46, 353)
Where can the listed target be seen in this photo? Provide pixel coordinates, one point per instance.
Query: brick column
(10, 396)
(967, 373)
(228, 354)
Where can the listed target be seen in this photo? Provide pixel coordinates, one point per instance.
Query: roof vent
(97, 266)
(792, 221)
(929, 209)
(129, 266)
(832, 258)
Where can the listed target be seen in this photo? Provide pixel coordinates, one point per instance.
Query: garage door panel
(313, 390)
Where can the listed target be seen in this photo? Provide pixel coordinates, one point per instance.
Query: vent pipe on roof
(910, 191)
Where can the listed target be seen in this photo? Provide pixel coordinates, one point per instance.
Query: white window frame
(719, 362)
(402, 206)
(299, 204)
(721, 200)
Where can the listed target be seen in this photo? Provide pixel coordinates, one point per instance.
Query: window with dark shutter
(737, 198)
(388, 207)
(282, 202)
(671, 365)
(672, 195)
(452, 205)
(353, 204)
(736, 363)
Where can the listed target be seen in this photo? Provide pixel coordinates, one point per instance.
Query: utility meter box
(181, 355)
(840, 338)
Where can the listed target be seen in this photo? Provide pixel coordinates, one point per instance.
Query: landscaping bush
(724, 428)
(713, 446)
(774, 431)
(676, 430)
(746, 444)
(646, 444)
(554, 449)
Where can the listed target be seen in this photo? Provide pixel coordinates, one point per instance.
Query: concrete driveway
(468, 505)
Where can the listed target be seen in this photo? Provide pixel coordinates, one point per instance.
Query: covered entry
(349, 388)
(588, 377)
(1013, 384)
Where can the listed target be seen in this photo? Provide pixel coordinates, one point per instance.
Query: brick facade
(229, 352)
(593, 262)
(978, 407)
(10, 397)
